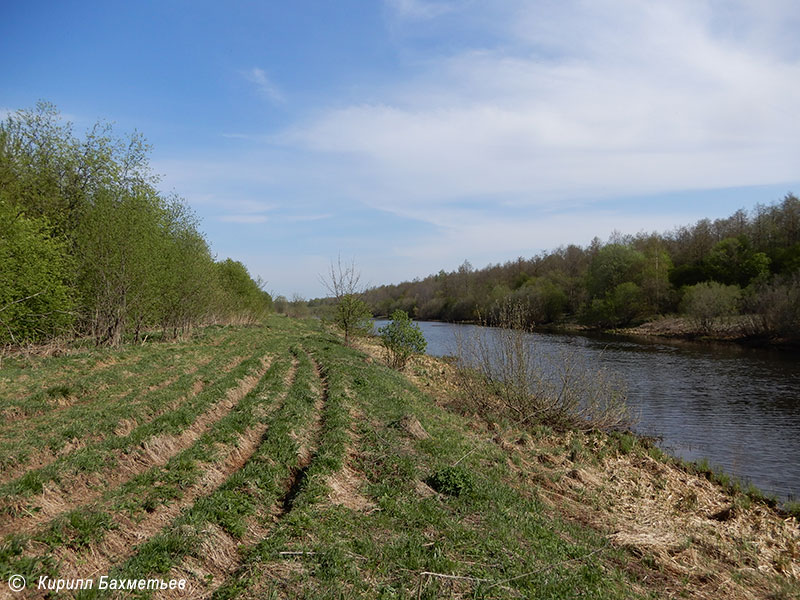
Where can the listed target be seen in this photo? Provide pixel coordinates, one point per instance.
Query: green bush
(35, 271)
(401, 338)
(453, 481)
(708, 302)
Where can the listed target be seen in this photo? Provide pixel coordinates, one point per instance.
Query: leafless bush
(773, 309)
(503, 373)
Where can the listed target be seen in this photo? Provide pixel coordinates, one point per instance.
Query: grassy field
(274, 462)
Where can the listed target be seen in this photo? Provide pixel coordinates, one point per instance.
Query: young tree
(401, 338)
(351, 314)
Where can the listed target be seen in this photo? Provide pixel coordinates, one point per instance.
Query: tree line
(90, 247)
(748, 264)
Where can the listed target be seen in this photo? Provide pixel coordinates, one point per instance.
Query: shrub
(401, 338)
(708, 302)
(35, 270)
(453, 481)
(352, 316)
(504, 374)
(774, 308)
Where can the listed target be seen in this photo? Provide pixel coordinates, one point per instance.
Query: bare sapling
(503, 373)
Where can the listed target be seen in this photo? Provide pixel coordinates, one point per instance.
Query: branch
(21, 300)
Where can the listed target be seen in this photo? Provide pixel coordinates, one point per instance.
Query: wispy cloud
(419, 9)
(527, 139)
(585, 100)
(266, 87)
(306, 218)
(245, 219)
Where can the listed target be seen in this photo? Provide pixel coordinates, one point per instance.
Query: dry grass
(345, 485)
(663, 514)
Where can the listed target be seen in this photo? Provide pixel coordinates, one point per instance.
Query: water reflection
(737, 407)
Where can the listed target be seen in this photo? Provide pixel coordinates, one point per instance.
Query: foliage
(752, 250)
(773, 308)
(401, 338)
(452, 481)
(35, 271)
(620, 306)
(112, 255)
(241, 295)
(706, 303)
(734, 262)
(613, 265)
(351, 314)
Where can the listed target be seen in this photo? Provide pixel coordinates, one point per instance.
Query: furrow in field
(307, 448)
(118, 545)
(26, 388)
(131, 396)
(54, 389)
(323, 448)
(144, 498)
(240, 510)
(118, 416)
(153, 451)
(53, 401)
(220, 553)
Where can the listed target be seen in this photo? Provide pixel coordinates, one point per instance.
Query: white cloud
(265, 85)
(588, 99)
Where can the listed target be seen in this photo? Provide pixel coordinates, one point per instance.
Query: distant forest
(748, 263)
(89, 247)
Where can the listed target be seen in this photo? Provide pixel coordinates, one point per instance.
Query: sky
(408, 136)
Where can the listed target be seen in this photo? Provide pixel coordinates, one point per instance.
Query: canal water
(737, 407)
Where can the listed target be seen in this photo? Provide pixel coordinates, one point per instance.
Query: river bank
(731, 330)
(694, 533)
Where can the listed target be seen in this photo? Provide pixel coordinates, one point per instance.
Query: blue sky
(411, 135)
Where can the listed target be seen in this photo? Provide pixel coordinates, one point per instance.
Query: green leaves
(353, 316)
(35, 270)
(401, 338)
(86, 240)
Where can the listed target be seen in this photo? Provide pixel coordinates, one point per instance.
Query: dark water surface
(737, 407)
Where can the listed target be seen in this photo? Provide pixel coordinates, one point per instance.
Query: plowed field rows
(270, 462)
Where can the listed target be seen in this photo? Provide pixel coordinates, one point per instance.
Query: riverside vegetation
(275, 461)
(733, 278)
(90, 248)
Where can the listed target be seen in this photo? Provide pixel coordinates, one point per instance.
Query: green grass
(101, 455)
(489, 531)
(445, 515)
(117, 393)
(259, 483)
(158, 485)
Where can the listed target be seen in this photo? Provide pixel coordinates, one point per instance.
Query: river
(737, 407)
